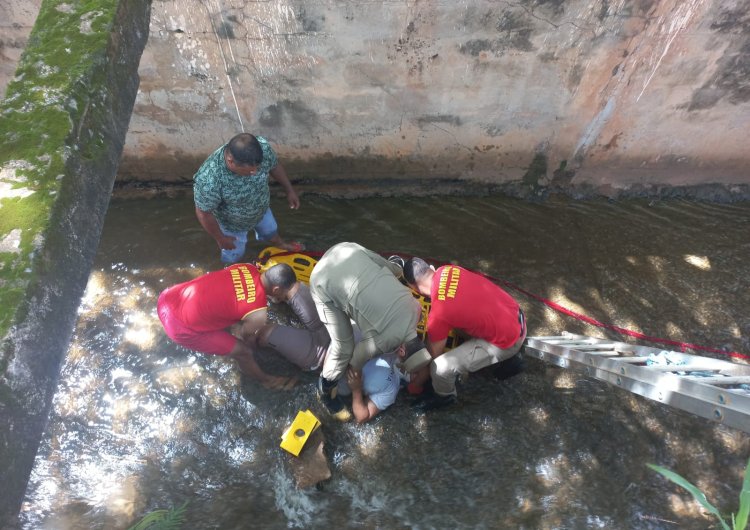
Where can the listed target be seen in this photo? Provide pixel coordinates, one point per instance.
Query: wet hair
(415, 269)
(281, 275)
(245, 149)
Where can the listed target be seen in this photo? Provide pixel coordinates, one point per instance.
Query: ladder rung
(712, 394)
(683, 367)
(618, 355)
(633, 360)
(720, 380)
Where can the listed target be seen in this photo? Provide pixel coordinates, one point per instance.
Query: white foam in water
(297, 505)
(240, 452)
(595, 521)
(117, 373)
(364, 497)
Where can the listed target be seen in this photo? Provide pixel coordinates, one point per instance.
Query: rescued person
(374, 388)
(468, 302)
(199, 314)
(306, 348)
(232, 197)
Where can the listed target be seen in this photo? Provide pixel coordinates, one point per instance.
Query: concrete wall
(545, 94)
(16, 20)
(62, 130)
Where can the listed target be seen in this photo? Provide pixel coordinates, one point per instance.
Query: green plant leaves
(740, 522)
(694, 491)
(162, 519)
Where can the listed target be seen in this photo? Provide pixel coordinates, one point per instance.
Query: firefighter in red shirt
(468, 302)
(199, 314)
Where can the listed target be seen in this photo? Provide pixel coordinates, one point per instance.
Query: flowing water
(141, 424)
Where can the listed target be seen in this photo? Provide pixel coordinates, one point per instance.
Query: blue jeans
(265, 230)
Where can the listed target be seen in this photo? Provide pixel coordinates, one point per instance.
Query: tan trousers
(470, 356)
(344, 335)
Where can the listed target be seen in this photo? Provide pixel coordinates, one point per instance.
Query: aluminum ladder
(712, 388)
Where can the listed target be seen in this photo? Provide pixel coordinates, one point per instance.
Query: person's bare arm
(252, 323)
(363, 408)
(211, 225)
(244, 355)
(246, 346)
(418, 378)
(436, 348)
(279, 174)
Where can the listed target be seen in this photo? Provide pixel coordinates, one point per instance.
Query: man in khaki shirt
(349, 283)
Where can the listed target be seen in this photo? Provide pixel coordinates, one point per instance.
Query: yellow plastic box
(295, 437)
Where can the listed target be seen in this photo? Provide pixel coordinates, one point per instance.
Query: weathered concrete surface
(614, 95)
(16, 20)
(62, 129)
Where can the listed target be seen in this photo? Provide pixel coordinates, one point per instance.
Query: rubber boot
(434, 401)
(510, 367)
(332, 402)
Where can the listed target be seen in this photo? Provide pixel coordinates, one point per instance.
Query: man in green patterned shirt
(232, 196)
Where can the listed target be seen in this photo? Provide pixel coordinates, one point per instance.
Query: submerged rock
(311, 466)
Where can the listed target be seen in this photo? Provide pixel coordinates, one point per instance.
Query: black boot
(434, 401)
(509, 367)
(332, 402)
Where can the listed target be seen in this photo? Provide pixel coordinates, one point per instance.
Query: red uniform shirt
(467, 301)
(219, 299)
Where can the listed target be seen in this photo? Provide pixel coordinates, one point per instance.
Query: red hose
(557, 307)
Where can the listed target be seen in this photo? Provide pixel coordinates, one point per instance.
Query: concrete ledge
(358, 188)
(62, 129)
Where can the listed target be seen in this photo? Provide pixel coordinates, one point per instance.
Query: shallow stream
(141, 424)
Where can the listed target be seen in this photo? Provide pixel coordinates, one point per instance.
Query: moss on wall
(62, 129)
(40, 128)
